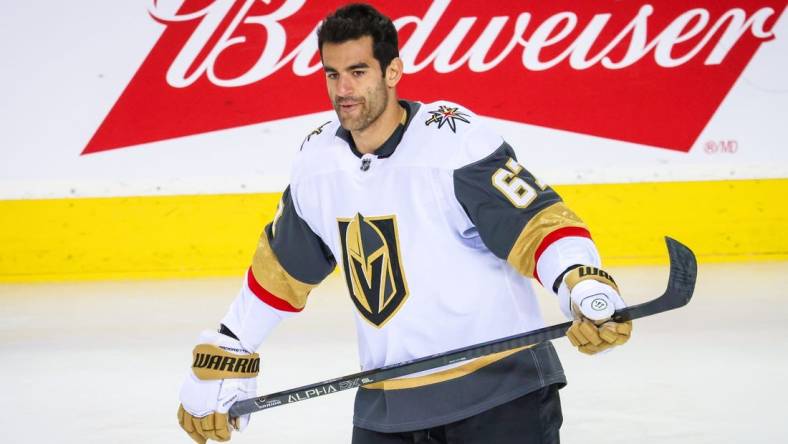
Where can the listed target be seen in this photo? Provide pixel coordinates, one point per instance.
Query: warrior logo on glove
(212, 362)
(373, 267)
(599, 304)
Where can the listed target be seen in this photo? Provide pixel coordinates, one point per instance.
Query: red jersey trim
(554, 236)
(266, 296)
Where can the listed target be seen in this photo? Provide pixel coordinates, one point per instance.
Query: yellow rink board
(215, 235)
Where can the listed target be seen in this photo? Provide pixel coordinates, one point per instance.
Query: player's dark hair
(357, 20)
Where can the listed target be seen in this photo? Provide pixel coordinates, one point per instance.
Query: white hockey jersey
(437, 234)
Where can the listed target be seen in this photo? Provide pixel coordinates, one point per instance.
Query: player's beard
(370, 109)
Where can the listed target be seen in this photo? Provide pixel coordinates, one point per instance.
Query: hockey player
(438, 229)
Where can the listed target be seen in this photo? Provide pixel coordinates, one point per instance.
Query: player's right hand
(222, 373)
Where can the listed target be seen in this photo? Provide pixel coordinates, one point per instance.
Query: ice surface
(102, 362)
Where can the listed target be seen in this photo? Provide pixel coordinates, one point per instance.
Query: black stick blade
(683, 272)
(681, 284)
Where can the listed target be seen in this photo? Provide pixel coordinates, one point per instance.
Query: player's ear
(394, 72)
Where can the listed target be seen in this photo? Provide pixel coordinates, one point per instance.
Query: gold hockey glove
(593, 297)
(222, 373)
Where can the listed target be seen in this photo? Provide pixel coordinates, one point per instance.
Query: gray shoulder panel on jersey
(300, 251)
(495, 206)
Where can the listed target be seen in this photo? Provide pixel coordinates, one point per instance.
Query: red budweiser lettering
(646, 72)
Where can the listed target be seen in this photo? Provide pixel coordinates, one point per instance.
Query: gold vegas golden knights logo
(373, 267)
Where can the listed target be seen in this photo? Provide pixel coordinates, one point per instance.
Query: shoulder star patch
(316, 132)
(444, 115)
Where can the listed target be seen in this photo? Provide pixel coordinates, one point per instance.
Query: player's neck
(373, 136)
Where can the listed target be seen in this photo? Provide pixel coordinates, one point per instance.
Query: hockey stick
(681, 284)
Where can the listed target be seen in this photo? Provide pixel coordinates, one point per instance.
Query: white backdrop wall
(65, 64)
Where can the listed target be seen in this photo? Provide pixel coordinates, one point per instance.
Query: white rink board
(102, 362)
(67, 63)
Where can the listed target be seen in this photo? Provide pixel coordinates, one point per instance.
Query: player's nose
(345, 85)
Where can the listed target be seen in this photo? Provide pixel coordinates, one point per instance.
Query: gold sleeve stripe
(444, 375)
(275, 285)
(555, 217)
(586, 272)
(212, 362)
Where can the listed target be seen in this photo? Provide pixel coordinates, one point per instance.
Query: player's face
(355, 83)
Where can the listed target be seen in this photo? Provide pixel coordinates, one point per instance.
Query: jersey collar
(388, 147)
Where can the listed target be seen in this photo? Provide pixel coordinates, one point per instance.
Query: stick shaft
(681, 284)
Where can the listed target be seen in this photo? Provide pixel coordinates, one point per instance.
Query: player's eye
(332, 75)
(358, 73)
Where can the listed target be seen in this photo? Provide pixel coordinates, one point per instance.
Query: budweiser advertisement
(652, 73)
(609, 79)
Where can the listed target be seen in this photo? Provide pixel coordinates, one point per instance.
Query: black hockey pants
(531, 419)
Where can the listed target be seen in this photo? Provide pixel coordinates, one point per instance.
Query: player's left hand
(594, 297)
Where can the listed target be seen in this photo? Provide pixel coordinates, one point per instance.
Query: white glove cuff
(595, 300)
(222, 341)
